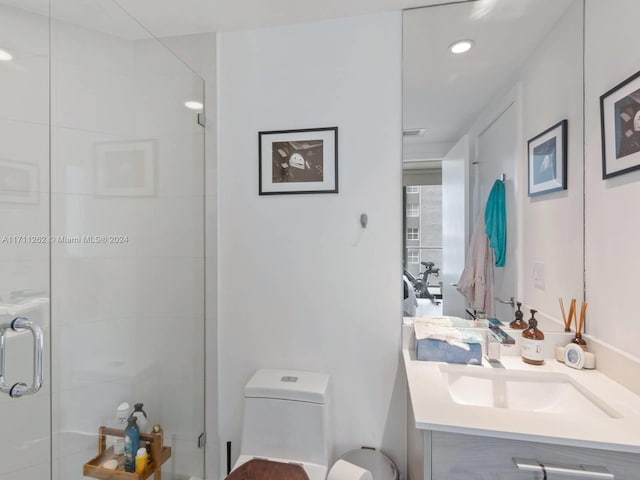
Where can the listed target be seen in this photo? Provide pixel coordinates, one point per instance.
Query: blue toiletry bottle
(131, 444)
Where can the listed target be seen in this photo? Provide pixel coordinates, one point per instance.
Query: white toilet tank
(286, 416)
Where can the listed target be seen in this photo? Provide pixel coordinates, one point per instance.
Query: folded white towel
(445, 321)
(437, 332)
(442, 321)
(452, 335)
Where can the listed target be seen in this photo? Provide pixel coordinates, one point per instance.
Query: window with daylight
(413, 210)
(413, 234)
(413, 256)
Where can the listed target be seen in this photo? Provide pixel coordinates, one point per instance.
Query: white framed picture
(548, 160)
(620, 128)
(18, 182)
(298, 161)
(125, 168)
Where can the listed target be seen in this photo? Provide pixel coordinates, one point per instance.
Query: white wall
(552, 223)
(612, 223)
(455, 221)
(301, 284)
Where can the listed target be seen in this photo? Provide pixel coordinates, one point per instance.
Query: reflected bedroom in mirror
(474, 94)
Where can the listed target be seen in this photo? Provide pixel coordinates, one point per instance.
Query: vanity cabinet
(453, 456)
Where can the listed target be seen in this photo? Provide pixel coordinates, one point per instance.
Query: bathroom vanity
(479, 422)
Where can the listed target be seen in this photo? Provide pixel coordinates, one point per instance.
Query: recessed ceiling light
(194, 105)
(5, 56)
(461, 46)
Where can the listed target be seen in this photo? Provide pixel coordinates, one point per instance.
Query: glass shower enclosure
(101, 239)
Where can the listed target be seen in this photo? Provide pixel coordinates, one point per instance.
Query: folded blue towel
(440, 351)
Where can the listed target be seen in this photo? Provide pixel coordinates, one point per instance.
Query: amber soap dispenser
(518, 323)
(533, 342)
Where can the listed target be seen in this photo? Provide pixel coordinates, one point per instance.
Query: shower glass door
(127, 216)
(25, 412)
(101, 211)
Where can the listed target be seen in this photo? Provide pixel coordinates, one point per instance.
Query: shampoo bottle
(142, 458)
(533, 343)
(131, 444)
(122, 414)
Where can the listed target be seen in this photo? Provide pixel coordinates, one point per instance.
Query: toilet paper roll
(343, 470)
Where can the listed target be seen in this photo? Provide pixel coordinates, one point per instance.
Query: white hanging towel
(476, 281)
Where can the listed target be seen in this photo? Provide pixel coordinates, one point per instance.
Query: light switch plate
(538, 275)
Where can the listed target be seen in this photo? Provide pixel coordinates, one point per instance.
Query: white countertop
(434, 409)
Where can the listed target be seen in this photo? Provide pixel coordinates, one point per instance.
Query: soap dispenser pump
(518, 323)
(533, 342)
(141, 416)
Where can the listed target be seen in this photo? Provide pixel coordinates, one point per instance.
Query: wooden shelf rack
(158, 453)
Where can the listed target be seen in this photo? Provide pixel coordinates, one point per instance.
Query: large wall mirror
(468, 118)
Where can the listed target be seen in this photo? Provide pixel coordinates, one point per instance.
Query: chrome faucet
(496, 337)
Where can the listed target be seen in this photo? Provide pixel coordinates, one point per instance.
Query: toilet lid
(313, 471)
(260, 469)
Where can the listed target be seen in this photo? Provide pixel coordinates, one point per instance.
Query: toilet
(286, 419)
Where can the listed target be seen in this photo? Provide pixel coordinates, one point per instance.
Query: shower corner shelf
(159, 455)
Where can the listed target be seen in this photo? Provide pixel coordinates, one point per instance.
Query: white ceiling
(444, 93)
(165, 18)
(180, 17)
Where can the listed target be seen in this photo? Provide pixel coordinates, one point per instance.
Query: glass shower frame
(102, 216)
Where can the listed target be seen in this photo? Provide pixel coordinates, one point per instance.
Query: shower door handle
(511, 301)
(20, 389)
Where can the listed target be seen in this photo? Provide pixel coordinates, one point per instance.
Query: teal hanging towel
(495, 219)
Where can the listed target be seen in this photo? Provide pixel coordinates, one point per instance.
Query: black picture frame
(620, 128)
(298, 161)
(547, 160)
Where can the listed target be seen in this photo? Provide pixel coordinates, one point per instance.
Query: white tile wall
(77, 154)
(31, 74)
(25, 142)
(24, 237)
(30, 473)
(26, 441)
(146, 226)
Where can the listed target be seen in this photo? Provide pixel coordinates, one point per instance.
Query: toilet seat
(313, 470)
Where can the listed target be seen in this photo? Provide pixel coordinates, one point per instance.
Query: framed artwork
(125, 169)
(18, 182)
(298, 161)
(548, 160)
(620, 128)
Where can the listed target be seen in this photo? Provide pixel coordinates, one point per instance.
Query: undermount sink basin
(523, 391)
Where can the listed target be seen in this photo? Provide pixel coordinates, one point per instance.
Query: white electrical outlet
(538, 275)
